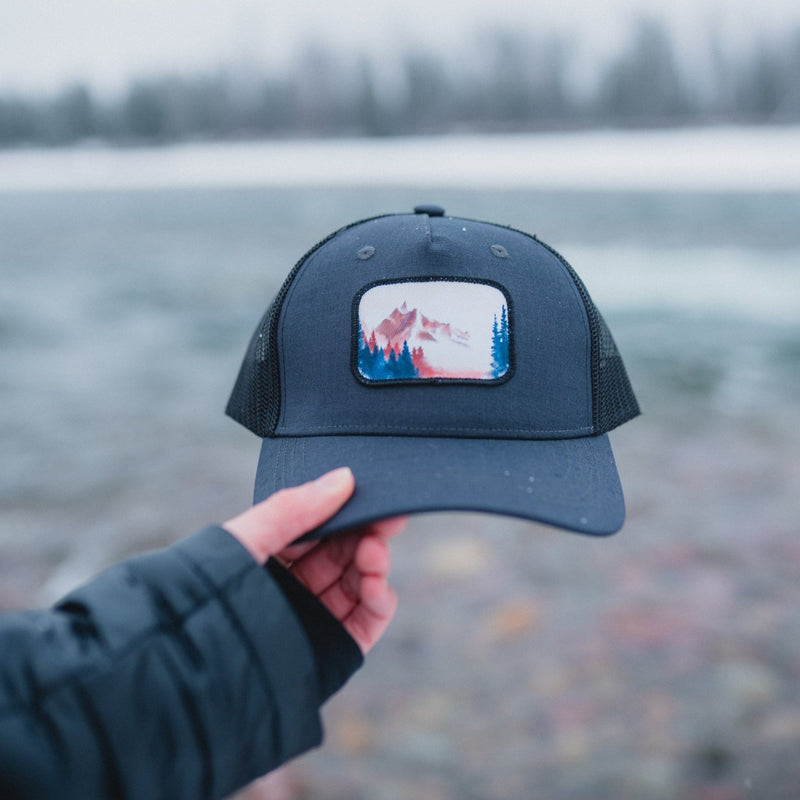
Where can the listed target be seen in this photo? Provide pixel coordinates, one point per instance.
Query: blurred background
(162, 168)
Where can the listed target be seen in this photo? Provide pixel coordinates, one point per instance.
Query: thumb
(273, 524)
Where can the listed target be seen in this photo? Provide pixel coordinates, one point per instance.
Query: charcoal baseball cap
(452, 364)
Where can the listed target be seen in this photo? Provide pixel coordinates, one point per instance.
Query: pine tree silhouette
(500, 345)
(364, 354)
(405, 364)
(495, 347)
(505, 341)
(389, 363)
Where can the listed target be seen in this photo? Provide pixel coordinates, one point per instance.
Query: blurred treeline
(507, 81)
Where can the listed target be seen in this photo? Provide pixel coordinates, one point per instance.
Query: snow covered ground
(708, 159)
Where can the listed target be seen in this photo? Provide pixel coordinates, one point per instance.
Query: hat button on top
(431, 211)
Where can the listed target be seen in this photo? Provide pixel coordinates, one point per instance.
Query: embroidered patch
(432, 330)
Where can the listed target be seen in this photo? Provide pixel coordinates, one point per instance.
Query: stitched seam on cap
(587, 358)
(275, 473)
(368, 429)
(426, 221)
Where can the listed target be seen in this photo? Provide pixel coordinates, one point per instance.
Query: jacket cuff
(278, 645)
(336, 652)
(336, 655)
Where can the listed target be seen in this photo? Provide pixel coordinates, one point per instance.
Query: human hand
(348, 572)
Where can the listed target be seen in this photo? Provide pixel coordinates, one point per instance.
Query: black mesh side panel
(255, 401)
(613, 401)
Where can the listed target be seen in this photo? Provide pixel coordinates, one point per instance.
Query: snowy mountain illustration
(404, 325)
(408, 344)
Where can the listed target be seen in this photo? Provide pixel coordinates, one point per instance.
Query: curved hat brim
(568, 483)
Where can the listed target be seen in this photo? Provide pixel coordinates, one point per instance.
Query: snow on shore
(708, 159)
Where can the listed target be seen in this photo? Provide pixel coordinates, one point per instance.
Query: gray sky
(45, 44)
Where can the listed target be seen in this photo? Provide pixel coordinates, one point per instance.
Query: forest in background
(507, 82)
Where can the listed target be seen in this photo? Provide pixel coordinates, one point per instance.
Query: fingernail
(335, 479)
(384, 604)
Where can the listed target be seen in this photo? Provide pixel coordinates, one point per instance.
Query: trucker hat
(452, 364)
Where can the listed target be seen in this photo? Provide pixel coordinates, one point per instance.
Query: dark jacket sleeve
(185, 673)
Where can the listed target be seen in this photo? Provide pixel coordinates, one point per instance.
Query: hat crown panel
(548, 396)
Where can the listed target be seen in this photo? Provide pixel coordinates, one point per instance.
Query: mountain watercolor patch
(432, 330)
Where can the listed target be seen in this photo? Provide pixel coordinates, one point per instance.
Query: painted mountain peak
(404, 325)
(408, 344)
